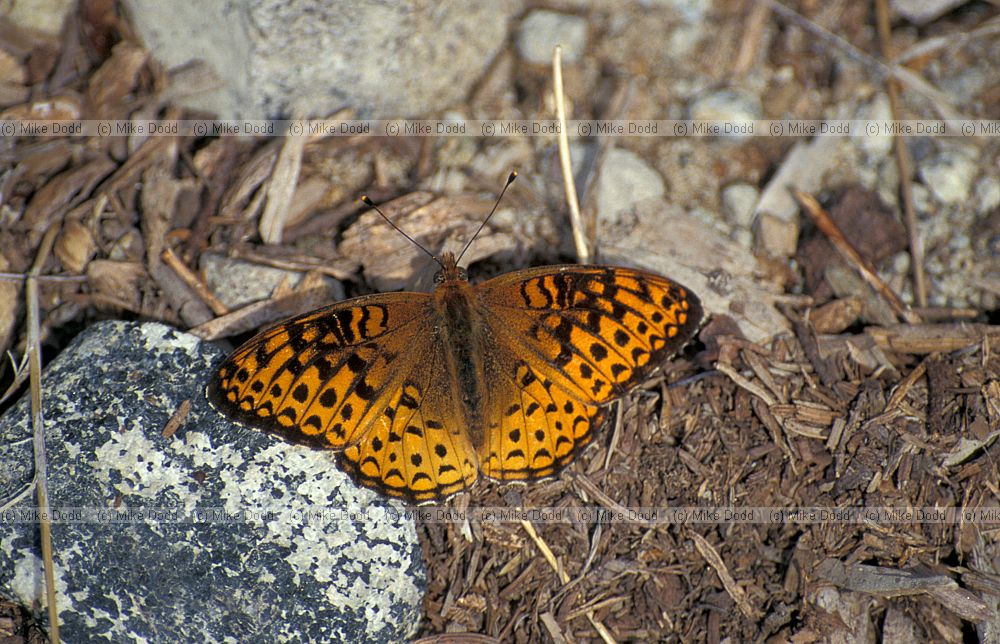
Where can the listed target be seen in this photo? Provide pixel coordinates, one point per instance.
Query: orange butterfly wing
(355, 377)
(569, 340)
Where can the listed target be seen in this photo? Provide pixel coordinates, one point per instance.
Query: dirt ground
(840, 412)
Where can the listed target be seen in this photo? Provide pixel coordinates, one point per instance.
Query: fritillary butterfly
(422, 392)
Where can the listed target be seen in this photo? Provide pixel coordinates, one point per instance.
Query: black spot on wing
(328, 398)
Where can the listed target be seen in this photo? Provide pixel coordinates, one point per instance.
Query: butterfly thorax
(460, 328)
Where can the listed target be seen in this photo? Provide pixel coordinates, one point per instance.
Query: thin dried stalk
(18, 277)
(755, 22)
(851, 255)
(20, 375)
(903, 161)
(566, 163)
(601, 629)
(38, 427)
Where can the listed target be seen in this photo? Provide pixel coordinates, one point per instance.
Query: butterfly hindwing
(418, 449)
(534, 428)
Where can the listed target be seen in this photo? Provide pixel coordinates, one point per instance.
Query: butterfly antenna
(368, 202)
(510, 180)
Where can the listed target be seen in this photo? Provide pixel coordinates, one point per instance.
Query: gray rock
(542, 30)
(220, 576)
(625, 180)
(312, 57)
(237, 283)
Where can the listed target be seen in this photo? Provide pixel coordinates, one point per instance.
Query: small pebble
(987, 195)
(730, 107)
(738, 201)
(237, 283)
(624, 181)
(949, 175)
(542, 30)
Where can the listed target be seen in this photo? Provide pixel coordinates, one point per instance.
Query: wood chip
(75, 246)
(893, 582)
(116, 78)
(284, 178)
(118, 279)
(928, 338)
(711, 555)
(835, 316)
(65, 191)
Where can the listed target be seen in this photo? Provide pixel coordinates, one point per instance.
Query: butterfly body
(463, 334)
(423, 392)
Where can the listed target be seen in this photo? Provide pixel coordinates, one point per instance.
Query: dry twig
(827, 226)
(711, 555)
(177, 418)
(194, 282)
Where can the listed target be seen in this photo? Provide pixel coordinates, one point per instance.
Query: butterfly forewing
(354, 375)
(317, 379)
(594, 331)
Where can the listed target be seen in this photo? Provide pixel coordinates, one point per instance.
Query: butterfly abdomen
(461, 327)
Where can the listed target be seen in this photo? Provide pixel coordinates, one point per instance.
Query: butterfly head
(450, 270)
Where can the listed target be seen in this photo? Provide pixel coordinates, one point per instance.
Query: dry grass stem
(566, 163)
(38, 427)
(903, 162)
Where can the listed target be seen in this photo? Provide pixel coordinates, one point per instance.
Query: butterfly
(421, 393)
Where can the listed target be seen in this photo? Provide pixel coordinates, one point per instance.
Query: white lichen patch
(323, 545)
(28, 583)
(140, 467)
(199, 448)
(160, 338)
